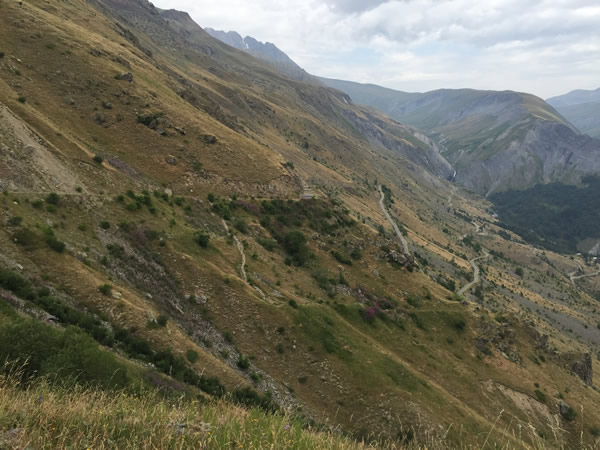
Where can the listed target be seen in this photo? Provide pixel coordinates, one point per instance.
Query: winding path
(476, 277)
(393, 223)
(574, 277)
(240, 248)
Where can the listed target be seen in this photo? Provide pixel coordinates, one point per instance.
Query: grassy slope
(364, 377)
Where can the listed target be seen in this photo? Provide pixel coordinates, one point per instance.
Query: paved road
(393, 223)
(476, 277)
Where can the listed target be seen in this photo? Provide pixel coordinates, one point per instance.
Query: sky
(545, 47)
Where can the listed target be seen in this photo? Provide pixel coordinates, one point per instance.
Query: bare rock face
(580, 364)
(583, 369)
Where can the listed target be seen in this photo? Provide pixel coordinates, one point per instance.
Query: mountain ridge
(267, 52)
(485, 134)
(582, 108)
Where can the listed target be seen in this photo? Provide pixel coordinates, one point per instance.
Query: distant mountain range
(581, 108)
(267, 52)
(495, 140)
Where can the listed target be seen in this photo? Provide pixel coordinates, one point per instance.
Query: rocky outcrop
(500, 337)
(580, 365)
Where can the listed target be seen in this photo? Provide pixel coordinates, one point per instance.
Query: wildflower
(287, 427)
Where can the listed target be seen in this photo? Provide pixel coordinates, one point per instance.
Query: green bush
(192, 356)
(22, 99)
(162, 320)
(105, 289)
(52, 198)
(201, 239)
(241, 225)
(267, 244)
(294, 243)
(243, 362)
(540, 396)
(105, 225)
(15, 221)
(53, 242)
(66, 356)
(98, 159)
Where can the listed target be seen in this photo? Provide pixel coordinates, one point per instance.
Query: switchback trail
(393, 223)
(476, 277)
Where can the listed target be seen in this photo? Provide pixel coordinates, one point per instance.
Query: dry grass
(40, 416)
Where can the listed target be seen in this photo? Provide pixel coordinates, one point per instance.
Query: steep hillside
(267, 52)
(227, 234)
(495, 140)
(581, 108)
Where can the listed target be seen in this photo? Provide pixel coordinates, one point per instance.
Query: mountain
(199, 251)
(267, 52)
(495, 140)
(581, 108)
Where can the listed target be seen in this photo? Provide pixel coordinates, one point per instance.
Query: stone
(171, 160)
(69, 101)
(122, 61)
(117, 295)
(99, 118)
(95, 52)
(209, 139)
(125, 76)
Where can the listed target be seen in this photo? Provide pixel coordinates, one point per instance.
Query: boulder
(125, 76)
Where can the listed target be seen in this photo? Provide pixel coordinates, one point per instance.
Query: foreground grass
(43, 416)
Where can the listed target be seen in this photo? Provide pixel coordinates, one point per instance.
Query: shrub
(201, 239)
(249, 397)
(356, 253)
(21, 99)
(67, 355)
(228, 337)
(570, 414)
(341, 258)
(105, 225)
(162, 320)
(1, 55)
(191, 355)
(98, 159)
(241, 225)
(105, 289)
(267, 244)
(540, 396)
(294, 243)
(52, 198)
(15, 221)
(179, 201)
(211, 197)
(53, 242)
(27, 238)
(293, 303)
(243, 362)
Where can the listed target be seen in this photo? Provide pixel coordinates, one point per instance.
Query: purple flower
(287, 427)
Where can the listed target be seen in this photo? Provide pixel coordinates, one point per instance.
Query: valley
(199, 250)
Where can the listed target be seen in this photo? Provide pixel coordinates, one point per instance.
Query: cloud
(540, 46)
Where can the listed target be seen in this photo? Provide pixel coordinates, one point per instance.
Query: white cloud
(540, 46)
